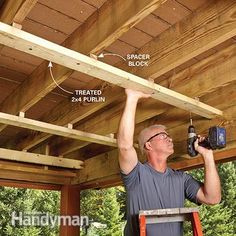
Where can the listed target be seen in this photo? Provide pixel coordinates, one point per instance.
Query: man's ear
(148, 146)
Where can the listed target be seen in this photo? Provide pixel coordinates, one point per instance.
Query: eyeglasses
(162, 135)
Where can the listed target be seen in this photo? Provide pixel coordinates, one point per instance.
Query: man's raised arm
(127, 155)
(210, 192)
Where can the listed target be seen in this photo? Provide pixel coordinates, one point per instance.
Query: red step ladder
(170, 215)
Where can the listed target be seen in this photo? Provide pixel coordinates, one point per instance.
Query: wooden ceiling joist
(9, 10)
(47, 50)
(23, 11)
(55, 129)
(34, 158)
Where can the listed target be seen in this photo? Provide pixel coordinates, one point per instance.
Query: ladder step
(170, 215)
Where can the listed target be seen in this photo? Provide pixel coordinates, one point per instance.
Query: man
(153, 185)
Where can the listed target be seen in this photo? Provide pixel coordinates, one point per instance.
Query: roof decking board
(77, 9)
(53, 19)
(44, 31)
(172, 12)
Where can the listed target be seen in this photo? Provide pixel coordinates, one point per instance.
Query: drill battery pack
(217, 137)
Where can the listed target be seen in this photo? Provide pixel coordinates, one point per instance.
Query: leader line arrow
(50, 69)
(102, 55)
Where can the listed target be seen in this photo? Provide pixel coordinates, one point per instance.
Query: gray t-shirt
(148, 189)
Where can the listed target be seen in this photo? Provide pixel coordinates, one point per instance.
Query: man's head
(155, 139)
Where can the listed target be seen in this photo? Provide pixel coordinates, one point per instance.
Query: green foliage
(102, 206)
(121, 198)
(218, 220)
(26, 201)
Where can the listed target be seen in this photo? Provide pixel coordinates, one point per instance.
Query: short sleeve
(191, 187)
(132, 178)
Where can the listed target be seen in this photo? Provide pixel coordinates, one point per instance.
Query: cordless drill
(216, 139)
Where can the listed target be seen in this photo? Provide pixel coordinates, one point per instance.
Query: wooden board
(23, 11)
(9, 10)
(31, 44)
(21, 156)
(55, 129)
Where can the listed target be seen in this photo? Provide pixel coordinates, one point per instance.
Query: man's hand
(136, 94)
(202, 150)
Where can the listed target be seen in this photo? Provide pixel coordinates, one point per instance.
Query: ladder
(170, 215)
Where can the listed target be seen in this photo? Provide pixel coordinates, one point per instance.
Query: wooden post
(70, 206)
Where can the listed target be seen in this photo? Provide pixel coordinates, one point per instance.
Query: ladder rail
(196, 225)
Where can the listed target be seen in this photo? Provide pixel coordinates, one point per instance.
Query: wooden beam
(9, 10)
(17, 171)
(177, 121)
(55, 129)
(36, 177)
(24, 10)
(189, 164)
(33, 173)
(116, 17)
(99, 170)
(47, 50)
(24, 184)
(32, 169)
(20, 156)
(108, 182)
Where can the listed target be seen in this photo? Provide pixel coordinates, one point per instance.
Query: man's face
(159, 141)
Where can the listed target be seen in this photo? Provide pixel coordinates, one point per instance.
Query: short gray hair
(142, 138)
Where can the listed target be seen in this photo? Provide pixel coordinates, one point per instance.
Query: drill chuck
(192, 136)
